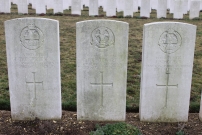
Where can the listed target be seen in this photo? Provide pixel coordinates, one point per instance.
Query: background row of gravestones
(33, 58)
(177, 7)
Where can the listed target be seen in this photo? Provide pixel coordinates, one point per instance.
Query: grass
(68, 56)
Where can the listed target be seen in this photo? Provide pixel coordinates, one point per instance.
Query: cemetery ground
(69, 124)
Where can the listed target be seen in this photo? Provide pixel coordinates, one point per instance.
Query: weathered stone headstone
(168, 4)
(34, 4)
(162, 9)
(110, 8)
(22, 7)
(194, 9)
(120, 5)
(82, 4)
(5, 6)
(185, 7)
(128, 8)
(33, 56)
(58, 6)
(172, 3)
(104, 5)
(201, 5)
(178, 9)
(66, 4)
(167, 62)
(50, 4)
(154, 4)
(76, 7)
(40, 7)
(93, 7)
(145, 8)
(189, 1)
(100, 3)
(86, 3)
(102, 50)
(135, 5)
(14, 1)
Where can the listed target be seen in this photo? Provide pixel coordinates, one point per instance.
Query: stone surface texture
(135, 5)
(200, 112)
(76, 7)
(120, 5)
(110, 8)
(102, 51)
(194, 9)
(128, 8)
(93, 7)
(33, 57)
(58, 6)
(22, 6)
(166, 75)
(40, 7)
(178, 9)
(145, 8)
(5, 6)
(66, 4)
(162, 9)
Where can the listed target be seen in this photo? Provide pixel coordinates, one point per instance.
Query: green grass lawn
(68, 56)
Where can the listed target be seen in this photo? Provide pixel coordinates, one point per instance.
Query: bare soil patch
(70, 126)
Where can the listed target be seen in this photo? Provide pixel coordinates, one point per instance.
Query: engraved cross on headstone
(34, 82)
(102, 84)
(168, 42)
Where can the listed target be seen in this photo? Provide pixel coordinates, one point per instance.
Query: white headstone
(135, 5)
(34, 4)
(154, 4)
(14, 1)
(167, 62)
(145, 8)
(76, 7)
(178, 9)
(194, 9)
(82, 4)
(189, 1)
(22, 7)
(58, 6)
(162, 9)
(120, 5)
(201, 5)
(93, 7)
(110, 8)
(5, 6)
(33, 56)
(66, 4)
(104, 5)
(40, 7)
(200, 112)
(139, 3)
(29, 2)
(100, 3)
(86, 3)
(185, 6)
(128, 8)
(172, 6)
(102, 50)
(168, 4)
(50, 4)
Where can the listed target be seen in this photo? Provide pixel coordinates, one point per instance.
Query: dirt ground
(69, 125)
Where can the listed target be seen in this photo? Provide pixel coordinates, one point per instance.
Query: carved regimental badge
(102, 37)
(170, 41)
(31, 37)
